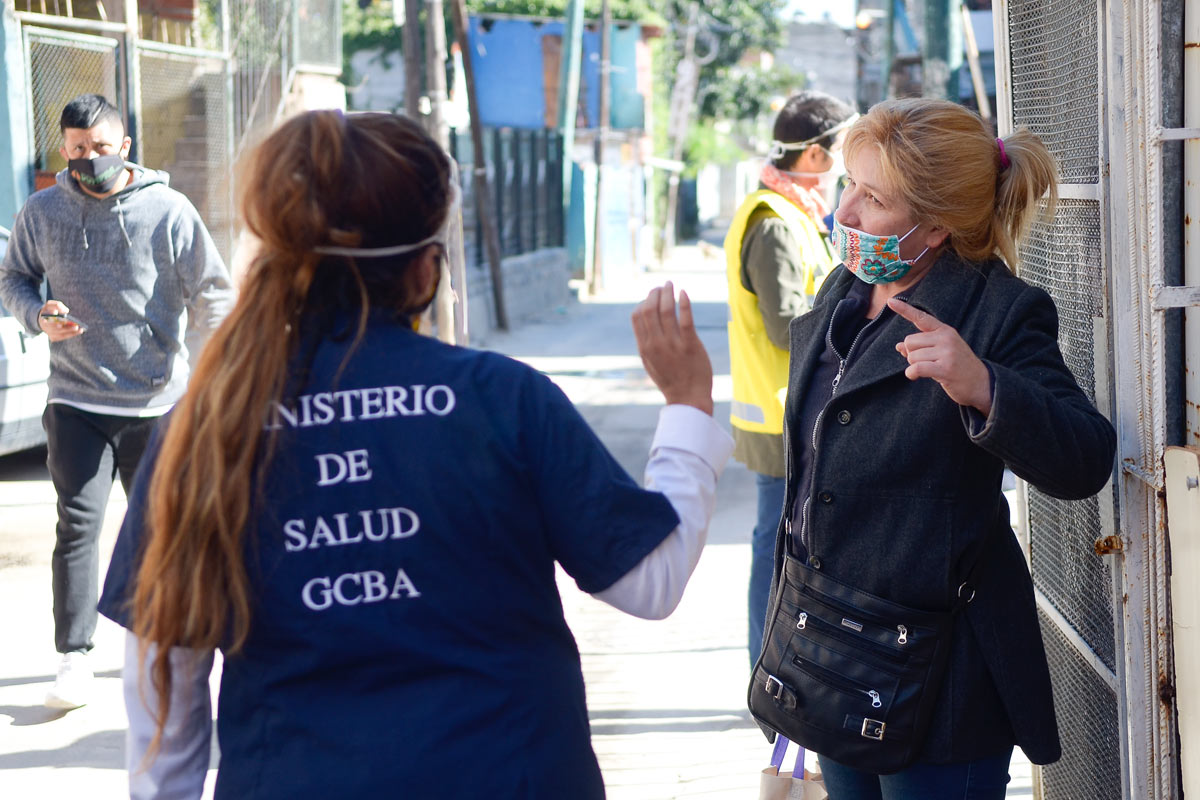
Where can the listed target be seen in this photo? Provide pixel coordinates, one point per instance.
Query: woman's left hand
(937, 351)
(671, 350)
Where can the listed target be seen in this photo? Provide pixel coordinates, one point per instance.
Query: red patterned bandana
(810, 201)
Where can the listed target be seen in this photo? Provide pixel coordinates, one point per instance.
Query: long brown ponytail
(322, 178)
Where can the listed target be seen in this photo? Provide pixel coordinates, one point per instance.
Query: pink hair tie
(1003, 155)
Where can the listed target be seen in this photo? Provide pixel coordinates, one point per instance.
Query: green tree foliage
(369, 28)
(746, 93)
(731, 32)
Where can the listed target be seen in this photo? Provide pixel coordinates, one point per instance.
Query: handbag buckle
(774, 687)
(873, 729)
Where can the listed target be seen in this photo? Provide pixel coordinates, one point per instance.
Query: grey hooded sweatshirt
(138, 268)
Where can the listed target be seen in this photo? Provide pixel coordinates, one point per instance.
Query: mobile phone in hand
(67, 318)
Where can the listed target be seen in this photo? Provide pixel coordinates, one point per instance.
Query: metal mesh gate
(62, 65)
(1054, 64)
(1054, 51)
(1090, 731)
(186, 131)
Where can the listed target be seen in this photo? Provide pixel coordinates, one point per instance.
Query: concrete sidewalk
(667, 699)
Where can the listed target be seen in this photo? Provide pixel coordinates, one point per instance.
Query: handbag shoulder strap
(966, 589)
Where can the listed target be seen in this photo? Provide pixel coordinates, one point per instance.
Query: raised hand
(671, 350)
(936, 351)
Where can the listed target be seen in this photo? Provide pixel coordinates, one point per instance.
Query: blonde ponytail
(943, 161)
(1030, 174)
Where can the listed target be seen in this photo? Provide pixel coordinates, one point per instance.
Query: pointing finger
(923, 320)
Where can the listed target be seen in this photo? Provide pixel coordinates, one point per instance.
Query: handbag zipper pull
(802, 620)
(875, 701)
(903, 634)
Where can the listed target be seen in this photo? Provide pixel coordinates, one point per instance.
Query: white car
(24, 369)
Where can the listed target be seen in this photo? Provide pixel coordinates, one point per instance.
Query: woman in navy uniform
(366, 521)
(924, 369)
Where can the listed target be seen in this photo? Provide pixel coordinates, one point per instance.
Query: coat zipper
(837, 379)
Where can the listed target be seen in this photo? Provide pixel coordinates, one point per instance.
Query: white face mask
(826, 181)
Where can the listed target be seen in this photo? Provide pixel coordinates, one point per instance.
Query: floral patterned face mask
(873, 259)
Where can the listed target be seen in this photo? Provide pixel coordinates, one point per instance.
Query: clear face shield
(451, 285)
(827, 182)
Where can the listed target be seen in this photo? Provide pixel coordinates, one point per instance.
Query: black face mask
(99, 174)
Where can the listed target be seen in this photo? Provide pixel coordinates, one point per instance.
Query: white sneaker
(73, 686)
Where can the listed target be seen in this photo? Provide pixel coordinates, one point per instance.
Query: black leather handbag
(850, 675)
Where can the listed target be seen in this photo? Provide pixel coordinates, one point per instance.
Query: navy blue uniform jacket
(907, 483)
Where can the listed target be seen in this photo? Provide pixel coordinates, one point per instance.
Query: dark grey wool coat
(908, 491)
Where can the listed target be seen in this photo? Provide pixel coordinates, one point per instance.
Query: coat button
(825, 497)
(844, 417)
(814, 562)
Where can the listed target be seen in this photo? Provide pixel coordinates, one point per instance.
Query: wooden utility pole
(435, 86)
(942, 55)
(568, 90)
(889, 53)
(412, 58)
(687, 79)
(981, 98)
(596, 279)
(435, 72)
(483, 197)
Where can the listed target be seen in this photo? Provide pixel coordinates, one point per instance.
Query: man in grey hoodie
(129, 267)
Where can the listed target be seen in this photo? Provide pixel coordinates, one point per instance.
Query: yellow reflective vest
(760, 369)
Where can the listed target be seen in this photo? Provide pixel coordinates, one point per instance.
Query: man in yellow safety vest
(776, 255)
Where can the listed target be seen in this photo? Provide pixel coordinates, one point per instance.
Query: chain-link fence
(62, 65)
(259, 38)
(315, 45)
(186, 131)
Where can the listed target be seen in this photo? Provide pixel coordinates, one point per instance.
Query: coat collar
(948, 291)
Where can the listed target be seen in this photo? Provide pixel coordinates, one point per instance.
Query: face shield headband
(449, 235)
(778, 148)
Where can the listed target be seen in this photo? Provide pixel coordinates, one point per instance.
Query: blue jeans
(982, 779)
(771, 493)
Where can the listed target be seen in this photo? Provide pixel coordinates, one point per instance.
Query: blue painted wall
(628, 107)
(16, 177)
(508, 73)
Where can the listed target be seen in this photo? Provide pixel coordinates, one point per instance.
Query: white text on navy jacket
(354, 466)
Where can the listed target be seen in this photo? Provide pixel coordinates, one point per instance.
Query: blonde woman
(366, 521)
(924, 369)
